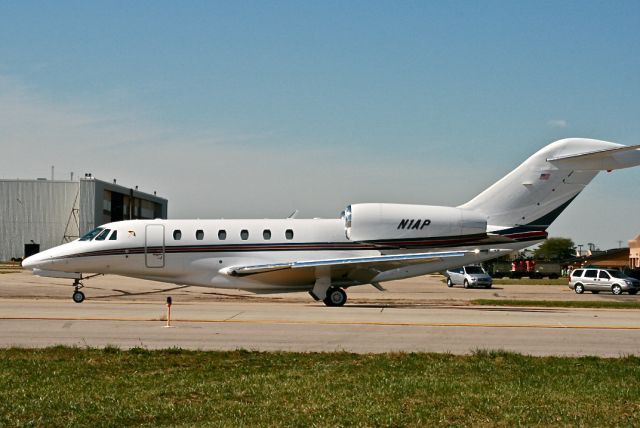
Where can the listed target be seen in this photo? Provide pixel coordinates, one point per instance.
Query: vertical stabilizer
(534, 194)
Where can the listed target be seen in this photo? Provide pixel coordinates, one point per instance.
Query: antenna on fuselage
(294, 214)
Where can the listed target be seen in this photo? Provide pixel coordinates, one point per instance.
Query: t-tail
(531, 197)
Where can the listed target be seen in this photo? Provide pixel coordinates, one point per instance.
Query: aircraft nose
(33, 262)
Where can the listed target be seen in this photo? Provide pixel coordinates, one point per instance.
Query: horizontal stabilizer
(600, 160)
(535, 193)
(352, 261)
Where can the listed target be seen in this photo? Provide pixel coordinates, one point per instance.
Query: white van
(597, 280)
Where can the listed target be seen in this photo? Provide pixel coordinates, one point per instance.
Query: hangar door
(154, 246)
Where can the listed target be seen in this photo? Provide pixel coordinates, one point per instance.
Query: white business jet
(370, 243)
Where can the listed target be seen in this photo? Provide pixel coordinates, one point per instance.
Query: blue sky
(253, 109)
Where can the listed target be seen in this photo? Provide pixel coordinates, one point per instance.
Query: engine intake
(373, 222)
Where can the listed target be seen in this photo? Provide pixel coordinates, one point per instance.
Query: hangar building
(36, 215)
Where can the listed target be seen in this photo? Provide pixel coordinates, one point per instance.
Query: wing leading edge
(382, 261)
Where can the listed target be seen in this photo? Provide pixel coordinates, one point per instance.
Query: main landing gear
(323, 290)
(335, 297)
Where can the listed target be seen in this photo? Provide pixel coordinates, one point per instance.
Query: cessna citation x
(369, 244)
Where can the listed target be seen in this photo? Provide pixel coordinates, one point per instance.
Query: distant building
(617, 258)
(36, 215)
(634, 253)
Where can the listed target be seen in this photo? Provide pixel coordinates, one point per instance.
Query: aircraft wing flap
(345, 262)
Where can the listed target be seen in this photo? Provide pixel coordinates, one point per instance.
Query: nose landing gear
(78, 296)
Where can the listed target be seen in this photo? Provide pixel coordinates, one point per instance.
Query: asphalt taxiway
(420, 314)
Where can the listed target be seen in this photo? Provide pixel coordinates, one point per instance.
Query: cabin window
(222, 234)
(244, 234)
(114, 236)
(199, 235)
(266, 234)
(288, 234)
(103, 235)
(90, 235)
(177, 235)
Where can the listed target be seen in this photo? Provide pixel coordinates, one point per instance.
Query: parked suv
(597, 280)
(469, 276)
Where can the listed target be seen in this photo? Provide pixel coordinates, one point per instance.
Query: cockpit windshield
(103, 235)
(90, 235)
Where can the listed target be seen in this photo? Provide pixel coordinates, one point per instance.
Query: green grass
(91, 387)
(558, 303)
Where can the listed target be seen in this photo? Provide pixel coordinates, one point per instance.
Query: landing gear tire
(449, 283)
(78, 296)
(335, 297)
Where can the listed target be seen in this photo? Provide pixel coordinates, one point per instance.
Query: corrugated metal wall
(42, 211)
(35, 210)
(88, 203)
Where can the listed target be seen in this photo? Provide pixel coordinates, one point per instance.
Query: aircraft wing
(382, 261)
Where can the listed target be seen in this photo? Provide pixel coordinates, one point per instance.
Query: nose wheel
(78, 296)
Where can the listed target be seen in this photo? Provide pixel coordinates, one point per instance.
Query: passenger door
(454, 275)
(604, 280)
(154, 246)
(459, 275)
(590, 279)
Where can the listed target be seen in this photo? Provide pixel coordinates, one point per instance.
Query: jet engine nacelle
(371, 222)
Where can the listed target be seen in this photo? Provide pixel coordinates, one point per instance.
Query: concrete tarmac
(420, 314)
